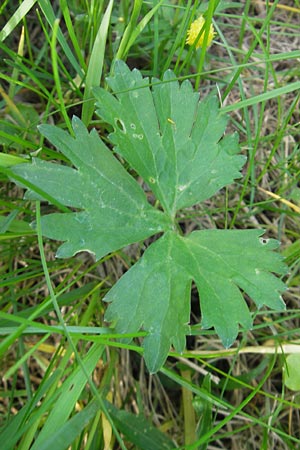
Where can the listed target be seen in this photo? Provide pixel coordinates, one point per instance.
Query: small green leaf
(292, 372)
(10, 160)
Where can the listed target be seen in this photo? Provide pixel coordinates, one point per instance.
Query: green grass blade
(24, 182)
(57, 77)
(94, 71)
(121, 53)
(138, 430)
(24, 358)
(179, 40)
(65, 435)
(71, 32)
(16, 18)
(262, 97)
(208, 21)
(70, 392)
(136, 31)
(188, 411)
(50, 17)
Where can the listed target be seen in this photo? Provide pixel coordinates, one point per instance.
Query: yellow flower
(194, 31)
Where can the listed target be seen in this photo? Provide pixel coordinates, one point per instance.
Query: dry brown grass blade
(282, 200)
(285, 7)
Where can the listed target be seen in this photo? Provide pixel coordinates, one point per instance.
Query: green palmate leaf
(155, 293)
(170, 138)
(176, 143)
(113, 209)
